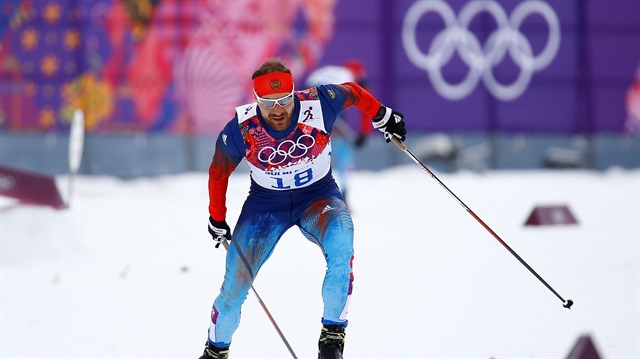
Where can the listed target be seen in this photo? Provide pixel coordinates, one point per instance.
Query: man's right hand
(219, 231)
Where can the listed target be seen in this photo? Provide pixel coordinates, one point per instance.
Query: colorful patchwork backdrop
(181, 66)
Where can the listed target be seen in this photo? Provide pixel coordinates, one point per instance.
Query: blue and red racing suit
(291, 184)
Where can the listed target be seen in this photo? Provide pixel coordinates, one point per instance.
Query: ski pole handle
(398, 143)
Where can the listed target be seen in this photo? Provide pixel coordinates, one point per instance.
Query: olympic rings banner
(456, 37)
(516, 66)
(181, 66)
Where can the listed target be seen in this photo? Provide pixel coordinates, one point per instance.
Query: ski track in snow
(129, 271)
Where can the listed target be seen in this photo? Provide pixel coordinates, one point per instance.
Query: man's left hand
(391, 123)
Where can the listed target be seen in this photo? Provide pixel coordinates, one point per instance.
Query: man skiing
(285, 138)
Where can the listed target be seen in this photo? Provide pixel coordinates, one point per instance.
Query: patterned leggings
(324, 220)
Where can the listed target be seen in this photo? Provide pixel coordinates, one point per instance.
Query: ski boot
(212, 352)
(331, 343)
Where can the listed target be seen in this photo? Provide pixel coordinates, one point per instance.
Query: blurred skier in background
(344, 138)
(632, 104)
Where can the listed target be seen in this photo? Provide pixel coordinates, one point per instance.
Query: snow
(129, 270)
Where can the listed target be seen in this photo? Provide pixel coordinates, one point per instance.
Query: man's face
(278, 117)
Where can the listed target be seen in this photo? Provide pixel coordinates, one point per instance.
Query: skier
(343, 138)
(285, 138)
(632, 104)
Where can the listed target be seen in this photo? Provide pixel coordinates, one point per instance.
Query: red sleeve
(365, 124)
(365, 120)
(361, 99)
(222, 165)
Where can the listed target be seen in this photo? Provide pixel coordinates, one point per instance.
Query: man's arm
(357, 96)
(388, 121)
(227, 156)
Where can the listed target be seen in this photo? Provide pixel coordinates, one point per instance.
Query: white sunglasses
(271, 103)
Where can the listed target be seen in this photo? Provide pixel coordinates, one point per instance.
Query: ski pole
(565, 303)
(225, 243)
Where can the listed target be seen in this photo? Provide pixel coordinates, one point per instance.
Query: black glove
(219, 231)
(390, 123)
(360, 140)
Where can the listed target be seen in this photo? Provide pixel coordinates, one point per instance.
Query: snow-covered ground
(129, 270)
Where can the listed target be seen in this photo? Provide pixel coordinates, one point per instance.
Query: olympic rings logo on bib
(480, 58)
(287, 150)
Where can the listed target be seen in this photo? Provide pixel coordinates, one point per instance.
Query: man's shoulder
(309, 94)
(322, 93)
